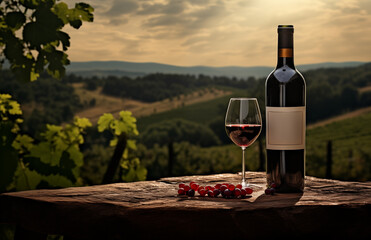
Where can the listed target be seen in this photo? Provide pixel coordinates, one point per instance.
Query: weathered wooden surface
(152, 209)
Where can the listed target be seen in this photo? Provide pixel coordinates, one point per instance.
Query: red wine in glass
(243, 125)
(243, 135)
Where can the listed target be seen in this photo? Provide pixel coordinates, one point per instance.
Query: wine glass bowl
(243, 124)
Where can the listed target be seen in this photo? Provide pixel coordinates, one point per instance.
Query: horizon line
(186, 66)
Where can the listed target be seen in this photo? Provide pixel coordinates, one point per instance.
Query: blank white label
(285, 128)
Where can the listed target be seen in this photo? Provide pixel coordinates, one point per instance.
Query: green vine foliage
(31, 36)
(10, 118)
(131, 169)
(51, 163)
(56, 159)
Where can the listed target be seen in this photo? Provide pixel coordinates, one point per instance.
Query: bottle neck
(285, 61)
(285, 47)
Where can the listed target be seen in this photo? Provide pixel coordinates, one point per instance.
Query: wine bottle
(285, 95)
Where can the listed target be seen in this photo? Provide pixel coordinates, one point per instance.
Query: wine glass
(243, 124)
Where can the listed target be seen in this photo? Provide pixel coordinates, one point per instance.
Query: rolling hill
(113, 105)
(134, 69)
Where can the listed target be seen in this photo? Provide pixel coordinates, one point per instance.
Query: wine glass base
(250, 185)
(244, 184)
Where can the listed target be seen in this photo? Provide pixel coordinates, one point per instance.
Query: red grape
(227, 193)
(191, 192)
(248, 190)
(223, 188)
(181, 191)
(210, 193)
(194, 186)
(237, 192)
(227, 190)
(202, 192)
(243, 193)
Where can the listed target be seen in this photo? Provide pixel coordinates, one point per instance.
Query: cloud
(122, 7)
(223, 32)
(183, 19)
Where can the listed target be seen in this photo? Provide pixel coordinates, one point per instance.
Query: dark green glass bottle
(285, 95)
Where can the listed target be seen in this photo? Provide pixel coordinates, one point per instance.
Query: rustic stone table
(152, 210)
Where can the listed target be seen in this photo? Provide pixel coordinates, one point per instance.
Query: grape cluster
(271, 189)
(225, 190)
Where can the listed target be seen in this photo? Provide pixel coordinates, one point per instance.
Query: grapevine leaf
(31, 4)
(35, 34)
(84, 11)
(65, 167)
(44, 152)
(124, 164)
(48, 19)
(141, 173)
(76, 156)
(57, 180)
(15, 20)
(51, 132)
(104, 121)
(35, 164)
(19, 120)
(34, 76)
(62, 11)
(76, 23)
(113, 142)
(82, 122)
(131, 144)
(4, 96)
(26, 179)
(57, 59)
(120, 127)
(125, 154)
(13, 49)
(130, 176)
(74, 16)
(125, 114)
(23, 143)
(15, 108)
(136, 161)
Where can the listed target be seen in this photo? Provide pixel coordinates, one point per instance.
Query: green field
(351, 150)
(351, 144)
(202, 113)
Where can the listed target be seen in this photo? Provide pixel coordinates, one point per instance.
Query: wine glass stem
(243, 182)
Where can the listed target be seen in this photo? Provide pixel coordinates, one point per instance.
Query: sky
(222, 32)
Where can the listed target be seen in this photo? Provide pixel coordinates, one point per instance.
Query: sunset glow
(221, 32)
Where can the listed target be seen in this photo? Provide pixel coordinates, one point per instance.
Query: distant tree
(365, 99)
(178, 130)
(91, 84)
(217, 126)
(31, 36)
(349, 97)
(166, 133)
